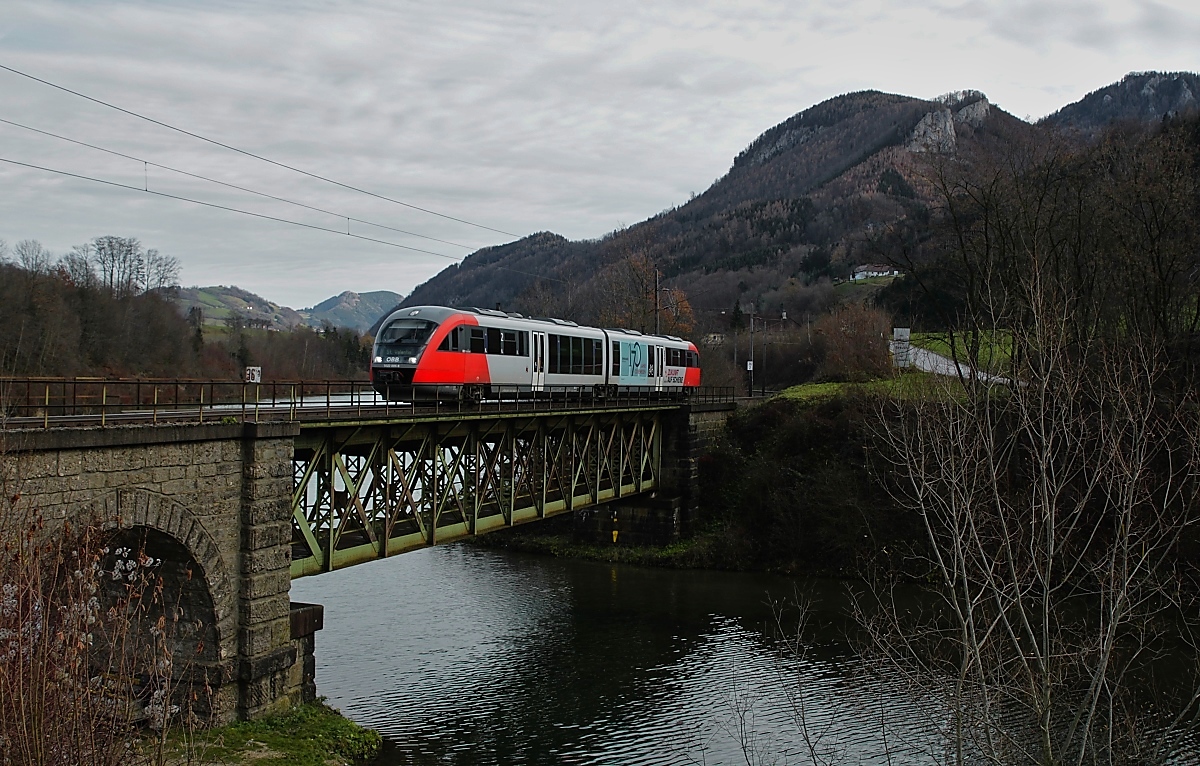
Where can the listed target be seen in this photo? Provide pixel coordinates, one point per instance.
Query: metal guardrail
(62, 402)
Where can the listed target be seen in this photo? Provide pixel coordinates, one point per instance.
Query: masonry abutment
(211, 498)
(670, 512)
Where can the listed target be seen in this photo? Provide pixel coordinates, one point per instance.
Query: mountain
(357, 311)
(1139, 96)
(833, 187)
(798, 208)
(218, 303)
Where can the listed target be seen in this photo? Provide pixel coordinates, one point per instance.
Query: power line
(223, 183)
(251, 154)
(225, 207)
(455, 258)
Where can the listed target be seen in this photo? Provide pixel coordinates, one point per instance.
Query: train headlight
(379, 360)
(412, 360)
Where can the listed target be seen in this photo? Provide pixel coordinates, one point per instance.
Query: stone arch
(173, 529)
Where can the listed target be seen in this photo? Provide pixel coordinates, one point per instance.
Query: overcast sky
(572, 117)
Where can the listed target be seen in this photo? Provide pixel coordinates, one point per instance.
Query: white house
(868, 270)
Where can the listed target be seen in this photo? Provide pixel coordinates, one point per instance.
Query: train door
(659, 358)
(539, 361)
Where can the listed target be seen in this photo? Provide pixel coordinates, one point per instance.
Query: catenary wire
(251, 154)
(455, 258)
(223, 207)
(229, 185)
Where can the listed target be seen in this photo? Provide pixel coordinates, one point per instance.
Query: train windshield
(406, 334)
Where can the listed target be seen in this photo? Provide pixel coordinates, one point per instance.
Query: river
(466, 655)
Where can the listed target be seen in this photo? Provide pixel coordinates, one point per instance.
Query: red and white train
(426, 351)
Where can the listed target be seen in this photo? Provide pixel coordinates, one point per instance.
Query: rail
(63, 402)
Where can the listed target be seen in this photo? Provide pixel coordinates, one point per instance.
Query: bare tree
(1052, 504)
(32, 256)
(626, 296)
(162, 271)
(77, 266)
(121, 263)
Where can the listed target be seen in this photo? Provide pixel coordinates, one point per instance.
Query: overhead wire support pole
(656, 307)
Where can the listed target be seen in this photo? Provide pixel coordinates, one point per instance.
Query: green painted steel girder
(367, 490)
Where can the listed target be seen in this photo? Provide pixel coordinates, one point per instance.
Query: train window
(407, 334)
(616, 358)
(453, 340)
(507, 345)
(552, 353)
(478, 341)
(589, 356)
(576, 356)
(650, 361)
(522, 343)
(596, 366)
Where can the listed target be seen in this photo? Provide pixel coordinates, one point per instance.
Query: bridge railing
(49, 402)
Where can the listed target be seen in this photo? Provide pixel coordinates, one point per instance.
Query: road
(927, 361)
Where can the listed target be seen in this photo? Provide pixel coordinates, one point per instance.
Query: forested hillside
(1138, 97)
(109, 308)
(796, 211)
(351, 310)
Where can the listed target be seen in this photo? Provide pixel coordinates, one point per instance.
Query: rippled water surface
(469, 656)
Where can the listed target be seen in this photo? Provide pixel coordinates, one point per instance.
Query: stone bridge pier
(212, 501)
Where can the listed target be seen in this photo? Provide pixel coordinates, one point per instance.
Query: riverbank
(790, 488)
(314, 734)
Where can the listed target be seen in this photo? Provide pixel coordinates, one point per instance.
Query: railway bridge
(240, 488)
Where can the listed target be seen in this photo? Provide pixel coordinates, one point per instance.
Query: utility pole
(656, 308)
(750, 363)
(762, 378)
(735, 339)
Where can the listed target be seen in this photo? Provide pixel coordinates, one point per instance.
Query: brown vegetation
(91, 648)
(97, 312)
(1054, 502)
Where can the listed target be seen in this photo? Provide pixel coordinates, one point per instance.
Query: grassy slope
(307, 735)
(995, 352)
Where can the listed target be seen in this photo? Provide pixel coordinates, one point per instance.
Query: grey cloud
(1039, 24)
(522, 115)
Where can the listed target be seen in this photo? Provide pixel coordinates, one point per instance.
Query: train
(473, 354)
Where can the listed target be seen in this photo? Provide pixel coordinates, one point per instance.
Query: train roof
(441, 313)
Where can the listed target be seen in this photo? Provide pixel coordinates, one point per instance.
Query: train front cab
(413, 358)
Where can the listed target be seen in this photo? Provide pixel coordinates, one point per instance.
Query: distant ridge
(819, 183)
(1139, 96)
(219, 303)
(355, 311)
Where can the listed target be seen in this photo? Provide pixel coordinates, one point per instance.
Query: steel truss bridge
(369, 490)
(373, 478)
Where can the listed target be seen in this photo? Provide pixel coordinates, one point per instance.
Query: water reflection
(468, 656)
